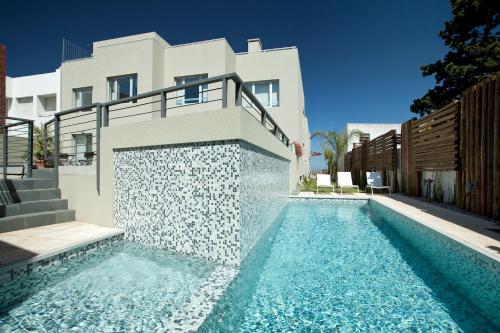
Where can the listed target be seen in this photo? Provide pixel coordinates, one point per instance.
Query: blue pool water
(327, 267)
(122, 288)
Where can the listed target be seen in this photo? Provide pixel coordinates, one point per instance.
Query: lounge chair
(344, 179)
(323, 180)
(374, 180)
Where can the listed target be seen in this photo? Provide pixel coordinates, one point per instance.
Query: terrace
(176, 209)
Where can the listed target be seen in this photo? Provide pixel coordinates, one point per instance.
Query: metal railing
(73, 51)
(85, 123)
(17, 146)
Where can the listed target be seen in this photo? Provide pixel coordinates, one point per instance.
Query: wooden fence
(429, 143)
(463, 137)
(379, 154)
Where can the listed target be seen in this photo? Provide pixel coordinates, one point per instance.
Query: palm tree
(336, 145)
(328, 155)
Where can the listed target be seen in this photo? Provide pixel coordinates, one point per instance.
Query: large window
(122, 87)
(267, 92)
(82, 97)
(192, 95)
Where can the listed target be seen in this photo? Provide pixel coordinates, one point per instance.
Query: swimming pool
(119, 288)
(323, 265)
(330, 266)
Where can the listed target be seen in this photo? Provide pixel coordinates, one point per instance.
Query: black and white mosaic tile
(212, 200)
(25, 270)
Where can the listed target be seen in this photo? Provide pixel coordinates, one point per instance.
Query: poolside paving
(36, 243)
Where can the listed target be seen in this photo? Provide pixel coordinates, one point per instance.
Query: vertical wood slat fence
(479, 175)
(463, 137)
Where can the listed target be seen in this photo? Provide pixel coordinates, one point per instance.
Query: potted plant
(38, 146)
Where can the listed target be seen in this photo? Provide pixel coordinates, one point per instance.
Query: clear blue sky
(360, 59)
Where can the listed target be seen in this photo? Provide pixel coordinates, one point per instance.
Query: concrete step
(18, 222)
(30, 207)
(25, 184)
(34, 195)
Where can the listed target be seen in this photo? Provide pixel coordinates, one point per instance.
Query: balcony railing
(74, 135)
(17, 146)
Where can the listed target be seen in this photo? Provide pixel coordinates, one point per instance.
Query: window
(267, 92)
(24, 107)
(122, 87)
(192, 95)
(82, 144)
(47, 103)
(82, 97)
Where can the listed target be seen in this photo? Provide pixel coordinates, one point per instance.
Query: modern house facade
(132, 65)
(188, 147)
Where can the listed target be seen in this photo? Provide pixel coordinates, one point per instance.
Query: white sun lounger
(374, 180)
(323, 180)
(344, 179)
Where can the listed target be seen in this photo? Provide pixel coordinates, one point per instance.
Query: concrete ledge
(25, 247)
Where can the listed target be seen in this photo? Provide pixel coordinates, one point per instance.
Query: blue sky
(360, 59)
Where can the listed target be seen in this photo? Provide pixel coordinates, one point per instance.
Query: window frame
(79, 90)
(251, 86)
(202, 90)
(88, 146)
(114, 80)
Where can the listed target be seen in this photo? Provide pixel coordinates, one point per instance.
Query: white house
(34, 97)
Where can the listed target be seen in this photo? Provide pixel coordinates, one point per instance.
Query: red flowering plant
(315, 153)
(298, 149)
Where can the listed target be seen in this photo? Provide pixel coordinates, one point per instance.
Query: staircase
(29, 203)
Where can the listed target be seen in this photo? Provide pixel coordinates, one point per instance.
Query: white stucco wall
(38, 88)
(157, 65)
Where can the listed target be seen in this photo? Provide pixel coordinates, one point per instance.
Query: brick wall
(3, 100)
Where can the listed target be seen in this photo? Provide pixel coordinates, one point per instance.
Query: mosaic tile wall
(190, 198)
(22, 270)
(263, 192)
(475, 275)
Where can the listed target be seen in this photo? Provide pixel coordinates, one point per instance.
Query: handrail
(5, 144)
(171, 89)
(102, 111)
(15, 118)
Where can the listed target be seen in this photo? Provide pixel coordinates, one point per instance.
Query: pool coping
(431, 221)
(6, 274)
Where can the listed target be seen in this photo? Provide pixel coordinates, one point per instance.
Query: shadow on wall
(442, 186)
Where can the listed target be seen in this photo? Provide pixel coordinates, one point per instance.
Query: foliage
(315, 153)
(473, 38)
(335, 146)
(298, 149)
(328, 155)
(38, 143)
(307, 182)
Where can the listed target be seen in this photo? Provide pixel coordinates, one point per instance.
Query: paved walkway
(32, 243)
